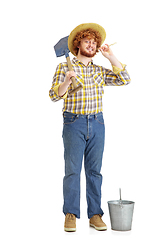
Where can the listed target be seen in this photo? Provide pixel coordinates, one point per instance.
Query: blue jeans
(83, 135)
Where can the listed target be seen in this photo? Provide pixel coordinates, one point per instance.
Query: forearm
(114, 61)
(107, 53)
(62, 89)
(67, 81)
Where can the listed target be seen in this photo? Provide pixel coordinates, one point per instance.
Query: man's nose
(91, 44)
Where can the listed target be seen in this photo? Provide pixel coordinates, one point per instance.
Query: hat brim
(83, 27)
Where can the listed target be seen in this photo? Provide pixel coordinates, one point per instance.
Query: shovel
(61, 48)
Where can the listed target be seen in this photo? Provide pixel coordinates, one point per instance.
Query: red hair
(90, 33)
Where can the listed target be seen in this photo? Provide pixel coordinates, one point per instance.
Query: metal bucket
(121, 214)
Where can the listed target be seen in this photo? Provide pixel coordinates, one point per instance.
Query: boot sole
(70, 229)
(98, 228)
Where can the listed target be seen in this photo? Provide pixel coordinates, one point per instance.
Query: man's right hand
(68, 76)
(67, 81)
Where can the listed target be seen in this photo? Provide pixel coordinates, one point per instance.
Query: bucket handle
(120, 194)
(120, 200)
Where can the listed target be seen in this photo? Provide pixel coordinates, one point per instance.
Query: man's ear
(78, 46)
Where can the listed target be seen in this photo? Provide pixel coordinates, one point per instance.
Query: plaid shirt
(93, 78)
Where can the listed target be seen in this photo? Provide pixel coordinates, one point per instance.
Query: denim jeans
(83, 135)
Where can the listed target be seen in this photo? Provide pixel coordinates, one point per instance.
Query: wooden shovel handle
(71, 69)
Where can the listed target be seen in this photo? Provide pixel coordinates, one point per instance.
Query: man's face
(88, 47)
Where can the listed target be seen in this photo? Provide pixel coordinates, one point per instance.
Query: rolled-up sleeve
(57, 80)
(117, 77)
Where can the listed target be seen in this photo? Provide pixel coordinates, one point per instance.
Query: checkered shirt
(93, 78)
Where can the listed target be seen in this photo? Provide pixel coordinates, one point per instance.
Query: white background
(31, 155)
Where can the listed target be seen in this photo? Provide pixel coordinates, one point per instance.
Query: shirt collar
(76, 61)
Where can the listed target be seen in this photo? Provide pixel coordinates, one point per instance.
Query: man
(84, 130)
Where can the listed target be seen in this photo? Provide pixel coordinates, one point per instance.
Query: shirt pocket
(98, 82)
(98, 79)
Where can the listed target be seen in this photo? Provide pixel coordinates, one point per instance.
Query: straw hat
(83, 27)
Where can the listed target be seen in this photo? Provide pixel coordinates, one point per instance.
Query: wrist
(113, 60)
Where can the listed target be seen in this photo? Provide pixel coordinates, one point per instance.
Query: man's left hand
(106, 51)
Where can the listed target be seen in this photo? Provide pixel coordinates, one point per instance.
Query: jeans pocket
(69, 118)
(99, 118)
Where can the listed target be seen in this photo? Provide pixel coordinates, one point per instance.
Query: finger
(73, 75)
(105, 49)
(107, 46)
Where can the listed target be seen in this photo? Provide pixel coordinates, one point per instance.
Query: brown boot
(97, 223)
(70, 223)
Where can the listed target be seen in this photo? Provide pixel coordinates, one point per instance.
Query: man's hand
(67, 79)
(107, 53)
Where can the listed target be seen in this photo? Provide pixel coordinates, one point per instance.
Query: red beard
(86, 54)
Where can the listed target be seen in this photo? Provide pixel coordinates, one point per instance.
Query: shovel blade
(61, 48)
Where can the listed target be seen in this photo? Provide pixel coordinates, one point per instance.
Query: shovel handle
(71, 69)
